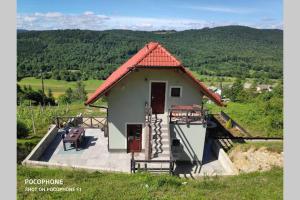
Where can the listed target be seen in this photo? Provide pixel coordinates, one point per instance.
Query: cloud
(93, 21)
(222, 9)
(56, 20)
(88, 13)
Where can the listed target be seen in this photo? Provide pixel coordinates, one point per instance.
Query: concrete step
(163, 126)
(162, 145)
(161, 149)
(160, 156)
(164, 132)
(162, 136)
(160, 139)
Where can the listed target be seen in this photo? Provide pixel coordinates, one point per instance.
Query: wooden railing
(83, 121)
(187, 114)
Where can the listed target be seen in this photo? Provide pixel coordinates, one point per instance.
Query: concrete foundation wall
(224, 159)
(126, 100)
(43, 144)
(192, 138)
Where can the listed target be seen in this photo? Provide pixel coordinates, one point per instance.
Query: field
(58, 87)
(96, 185)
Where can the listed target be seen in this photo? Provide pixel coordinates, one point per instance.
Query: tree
(80, 92)
(234, 92)
(22, 129)
(69, 93)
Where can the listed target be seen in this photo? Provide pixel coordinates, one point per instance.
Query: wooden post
(133, 166)
(147, 142)
(57, 122)
(32, 118)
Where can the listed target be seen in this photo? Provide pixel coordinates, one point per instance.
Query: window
(175, 91)
(175, 142)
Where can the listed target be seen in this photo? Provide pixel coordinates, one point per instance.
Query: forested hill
(82, 54)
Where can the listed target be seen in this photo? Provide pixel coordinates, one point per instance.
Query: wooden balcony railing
(187, 114)
(83, 121)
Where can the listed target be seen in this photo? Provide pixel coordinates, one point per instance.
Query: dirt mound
(255, 159)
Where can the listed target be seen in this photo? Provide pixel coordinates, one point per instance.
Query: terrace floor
(94, 154)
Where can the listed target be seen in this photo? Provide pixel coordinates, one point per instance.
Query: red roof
(152, 55)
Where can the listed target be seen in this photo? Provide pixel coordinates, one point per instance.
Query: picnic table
(74, 137)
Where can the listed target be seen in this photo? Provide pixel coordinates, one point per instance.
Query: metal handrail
(148, 119)
(146, 168)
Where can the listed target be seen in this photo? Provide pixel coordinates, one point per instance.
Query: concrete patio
(93, 154)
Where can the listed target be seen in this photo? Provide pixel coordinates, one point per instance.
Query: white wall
(126, 100)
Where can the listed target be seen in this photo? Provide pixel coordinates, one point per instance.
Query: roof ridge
(156, 44)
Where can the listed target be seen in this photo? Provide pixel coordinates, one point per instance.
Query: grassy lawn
(276, 146)
(248, 116)
(96, 185)
(58, 87)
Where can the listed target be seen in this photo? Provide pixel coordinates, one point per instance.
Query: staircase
(160, 160)
(160, 139)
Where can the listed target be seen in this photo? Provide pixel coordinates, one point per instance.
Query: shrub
(63, 99)
(22, 129)
(229, 124)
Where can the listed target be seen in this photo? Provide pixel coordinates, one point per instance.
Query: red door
(134, 137)
(158, 97)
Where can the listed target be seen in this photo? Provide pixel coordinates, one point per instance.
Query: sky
(148, 15)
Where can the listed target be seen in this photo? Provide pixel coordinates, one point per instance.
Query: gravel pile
(256, 159)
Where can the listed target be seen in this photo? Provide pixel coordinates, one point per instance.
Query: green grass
(276, 146)
(249, 116)
(96, 185)
(58, 87)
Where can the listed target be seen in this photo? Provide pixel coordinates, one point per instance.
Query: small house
(264, 88)
(155, 107)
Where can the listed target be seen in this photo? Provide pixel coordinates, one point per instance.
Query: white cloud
(92, 21)
(29, 18)
(88, 13)
(222, 9)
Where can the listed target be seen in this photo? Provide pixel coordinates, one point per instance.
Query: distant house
(216, 90)
(247, 85)
(264, 88)
(155, 107)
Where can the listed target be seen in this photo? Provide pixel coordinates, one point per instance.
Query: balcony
(187, 114)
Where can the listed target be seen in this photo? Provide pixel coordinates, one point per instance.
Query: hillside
(82, 54)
